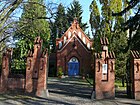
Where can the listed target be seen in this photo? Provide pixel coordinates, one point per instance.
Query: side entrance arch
(73, 67)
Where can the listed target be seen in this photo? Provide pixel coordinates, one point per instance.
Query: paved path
(67, 91)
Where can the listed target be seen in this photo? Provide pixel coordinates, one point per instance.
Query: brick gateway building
(73, 52)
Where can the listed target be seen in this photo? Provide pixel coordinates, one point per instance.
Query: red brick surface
(135, 74)
(36, 71)
(74, 47)
(104, 83)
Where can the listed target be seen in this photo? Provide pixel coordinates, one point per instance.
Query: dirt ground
(66, 91)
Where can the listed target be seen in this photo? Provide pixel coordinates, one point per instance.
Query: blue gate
(73, 68)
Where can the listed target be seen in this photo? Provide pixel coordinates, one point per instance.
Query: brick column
(41, 85)
(104, 72)
(29, 73)
(135, 74)
(36, 59)
(5, 69)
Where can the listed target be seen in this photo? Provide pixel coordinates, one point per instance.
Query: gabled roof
(74, 30)
(79, 40)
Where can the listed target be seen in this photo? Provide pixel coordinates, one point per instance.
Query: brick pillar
(135, 74)
(41, 85)
(5, 69)
(104, 72)
(36, 60)
(29, 72)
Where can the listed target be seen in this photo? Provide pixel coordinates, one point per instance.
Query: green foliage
(30, 26)
(103, 24)
(75, 11)
(60, 71)
(59, 26)
(63, 20)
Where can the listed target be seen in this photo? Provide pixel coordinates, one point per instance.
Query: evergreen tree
(30, 25)
(103, 24)
(75, 11)
(132, 24)
(59, 26)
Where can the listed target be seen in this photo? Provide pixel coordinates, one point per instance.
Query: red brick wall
(104, 82)
(16, 83)
(82, 54)
(135, 74)
(137, 79)
(80, 51)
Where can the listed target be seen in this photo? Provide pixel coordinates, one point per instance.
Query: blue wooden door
(73, 68)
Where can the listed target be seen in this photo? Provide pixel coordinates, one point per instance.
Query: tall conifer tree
(75, 11)
(29, 26)
(103, 24)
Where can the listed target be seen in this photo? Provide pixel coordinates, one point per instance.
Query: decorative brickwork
(29, 72)
(36, 71)
(135, 74)
(5, 70)
(74, 43)
(104, 72)
(42, 76)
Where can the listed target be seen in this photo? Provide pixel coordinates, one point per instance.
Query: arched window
(73, 59)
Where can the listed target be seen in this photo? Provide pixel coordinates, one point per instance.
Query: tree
(59, 26)
(31, 25)
(6, 25)
(7, 7)
(132, 24)
(103, 24)
(75, 11)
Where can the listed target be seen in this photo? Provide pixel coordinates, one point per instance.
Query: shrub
(60, 71)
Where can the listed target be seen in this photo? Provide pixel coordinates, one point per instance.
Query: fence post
(29, 72)
(42, 77)
(104, 72)
(36, 60)
(5, 69)
(135, 74)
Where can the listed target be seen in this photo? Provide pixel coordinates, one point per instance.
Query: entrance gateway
(73, 67)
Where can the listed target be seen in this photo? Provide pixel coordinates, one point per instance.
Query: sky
(85, 6)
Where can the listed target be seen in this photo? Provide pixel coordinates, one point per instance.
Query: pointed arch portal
(73, 67)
